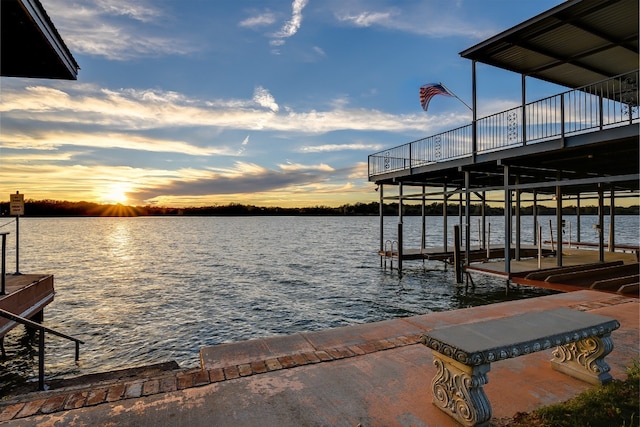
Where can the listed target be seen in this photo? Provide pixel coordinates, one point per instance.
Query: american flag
(430, 90)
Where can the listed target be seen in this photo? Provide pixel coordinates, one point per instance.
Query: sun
(116, 193)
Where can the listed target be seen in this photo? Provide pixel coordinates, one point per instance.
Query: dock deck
(523, 271)
(26, 296)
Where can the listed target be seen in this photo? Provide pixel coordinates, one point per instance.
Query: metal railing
(42, 329)
(609, 103)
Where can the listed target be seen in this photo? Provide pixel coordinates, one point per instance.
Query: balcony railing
(606, 104)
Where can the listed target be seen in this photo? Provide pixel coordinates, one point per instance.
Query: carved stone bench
(463, 354)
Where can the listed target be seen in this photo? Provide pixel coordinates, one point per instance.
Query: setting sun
(116, 193)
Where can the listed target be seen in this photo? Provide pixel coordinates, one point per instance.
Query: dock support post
(578, 238)
(456, 254)
(559, 228)
(538, 232)
(381, 212)
(460, 223)
(488, 242)
(535, 217)
(467, 217)
(423, 241)
(517, 254)
(484, 219)
(444, 217)
(600, 223)
(400, 219)
(612, 216)
(507, 223)
(400, 246)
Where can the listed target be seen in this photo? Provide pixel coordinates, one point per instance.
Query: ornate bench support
(457, 390)
(584, 359)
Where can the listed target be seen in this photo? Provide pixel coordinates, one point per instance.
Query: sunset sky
(199, 103)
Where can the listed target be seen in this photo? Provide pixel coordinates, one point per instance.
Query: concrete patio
(369, 375)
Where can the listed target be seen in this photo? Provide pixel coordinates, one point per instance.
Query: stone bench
(463, 354)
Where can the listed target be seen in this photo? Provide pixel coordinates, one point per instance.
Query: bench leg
(584, 359)
(457, 390)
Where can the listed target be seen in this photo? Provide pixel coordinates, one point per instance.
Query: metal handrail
(42, 329)
(608, 103)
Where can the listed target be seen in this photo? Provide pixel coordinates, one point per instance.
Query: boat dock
(22, 295)
(26, 295)
(375, 374)
(556, 153)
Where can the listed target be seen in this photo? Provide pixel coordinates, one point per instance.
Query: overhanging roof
(30, 45)
(574, 44)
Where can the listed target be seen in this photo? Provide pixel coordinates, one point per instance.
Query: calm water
(145, 290)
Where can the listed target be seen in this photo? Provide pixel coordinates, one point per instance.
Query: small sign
(16, 204)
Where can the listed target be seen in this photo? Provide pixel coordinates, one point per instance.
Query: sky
(185, 103)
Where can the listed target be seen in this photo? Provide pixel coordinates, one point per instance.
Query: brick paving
(181, 379)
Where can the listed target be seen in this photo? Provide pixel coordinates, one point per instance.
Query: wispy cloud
(300, 167)
(263, 98)
(241, 178)
(40, 140)
(257, 21)
(126, 110)
(115, 29)
(243, 146)
(325, 148)
(291, 26)
(424, 18)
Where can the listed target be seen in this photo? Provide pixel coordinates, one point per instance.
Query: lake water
(155, 289)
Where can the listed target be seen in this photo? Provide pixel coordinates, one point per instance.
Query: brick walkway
(48, 402)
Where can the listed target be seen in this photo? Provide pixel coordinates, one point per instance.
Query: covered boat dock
(576, 146)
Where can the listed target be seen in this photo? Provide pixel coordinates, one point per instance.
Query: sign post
(16, 207)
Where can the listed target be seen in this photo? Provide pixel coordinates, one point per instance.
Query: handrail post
(41, 360)
(562, 114)
(4, 268)
(524, 109)
(600, 112)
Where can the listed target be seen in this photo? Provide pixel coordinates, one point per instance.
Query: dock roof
(574, 44)
(30, 44)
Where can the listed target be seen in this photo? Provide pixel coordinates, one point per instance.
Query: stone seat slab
(488, 341)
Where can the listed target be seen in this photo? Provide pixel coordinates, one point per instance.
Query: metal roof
(573, 44)
(30, 45)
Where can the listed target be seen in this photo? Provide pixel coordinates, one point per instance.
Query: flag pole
(456, 96)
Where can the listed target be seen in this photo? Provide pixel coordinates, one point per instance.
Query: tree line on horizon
(56, 208)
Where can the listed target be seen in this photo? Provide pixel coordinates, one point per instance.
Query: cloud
(243, 146)
(264, 19)
(115, 29)
(340, 147)
(92, 110)
(135, 10)
(41, 140)
(368, 19)
(424, 18)
(291, 27)
(242, 178)
(262, 97)
(300, 167)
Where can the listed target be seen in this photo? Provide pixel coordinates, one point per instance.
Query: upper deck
(589, 133)
(583, 137)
